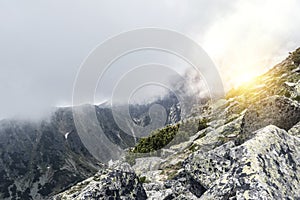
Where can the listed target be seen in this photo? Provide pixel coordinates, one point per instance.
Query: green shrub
(202, 124)
(297, 98)
(171, 133)
(143, 179)
(156, 140)
(193, 147)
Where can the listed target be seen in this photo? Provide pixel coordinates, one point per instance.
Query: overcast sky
(43, 43)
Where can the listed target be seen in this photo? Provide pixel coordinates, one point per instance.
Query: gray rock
(107, 184)
(272, 110)
(264, 167)
(295, 130)
(146, 164)
(171, 189)
(294, 88)
(206, 167)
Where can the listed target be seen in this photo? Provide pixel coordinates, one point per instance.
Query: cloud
(252, 38)
(43, 43)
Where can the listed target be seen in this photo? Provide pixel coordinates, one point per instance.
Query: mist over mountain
(158, 100)
(41, 158)
(242, 146)
(40, 56)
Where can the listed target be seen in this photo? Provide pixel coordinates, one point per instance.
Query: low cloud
(44, 43)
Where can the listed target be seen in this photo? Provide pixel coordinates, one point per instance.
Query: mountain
(244, 146)
(40, 159)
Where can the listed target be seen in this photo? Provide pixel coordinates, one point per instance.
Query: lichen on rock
(264, 167)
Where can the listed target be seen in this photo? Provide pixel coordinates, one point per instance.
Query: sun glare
(239, 79)
(243, 78)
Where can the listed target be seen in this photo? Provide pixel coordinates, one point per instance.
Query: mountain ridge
(39, 158)
(250, 149)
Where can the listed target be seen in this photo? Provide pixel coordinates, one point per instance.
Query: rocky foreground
(249, 149)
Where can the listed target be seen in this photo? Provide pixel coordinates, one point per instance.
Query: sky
(43, 43)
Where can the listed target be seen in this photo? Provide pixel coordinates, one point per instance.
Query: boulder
(107, 184)
(267, 166)
(275, 110)
(295, 130)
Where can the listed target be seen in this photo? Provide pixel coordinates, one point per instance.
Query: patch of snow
(110, 163)
(66, 135)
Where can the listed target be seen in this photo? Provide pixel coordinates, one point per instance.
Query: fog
(43, 43)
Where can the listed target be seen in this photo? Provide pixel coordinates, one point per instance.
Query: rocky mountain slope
(246, 146)
(40, 159)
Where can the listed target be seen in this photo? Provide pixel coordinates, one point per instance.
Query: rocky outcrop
(264, 167)
(295, 130)
(267, 166)
(294, 88)
(119, 183)
(272, 110)
(173, 189)
(206, 167)
(250, 149)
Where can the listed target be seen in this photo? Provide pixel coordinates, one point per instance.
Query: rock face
(40, 159)
(272, 110)
(107, 184)
(295, 130)
(206, 167)
(264, 167)
(37, 160)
